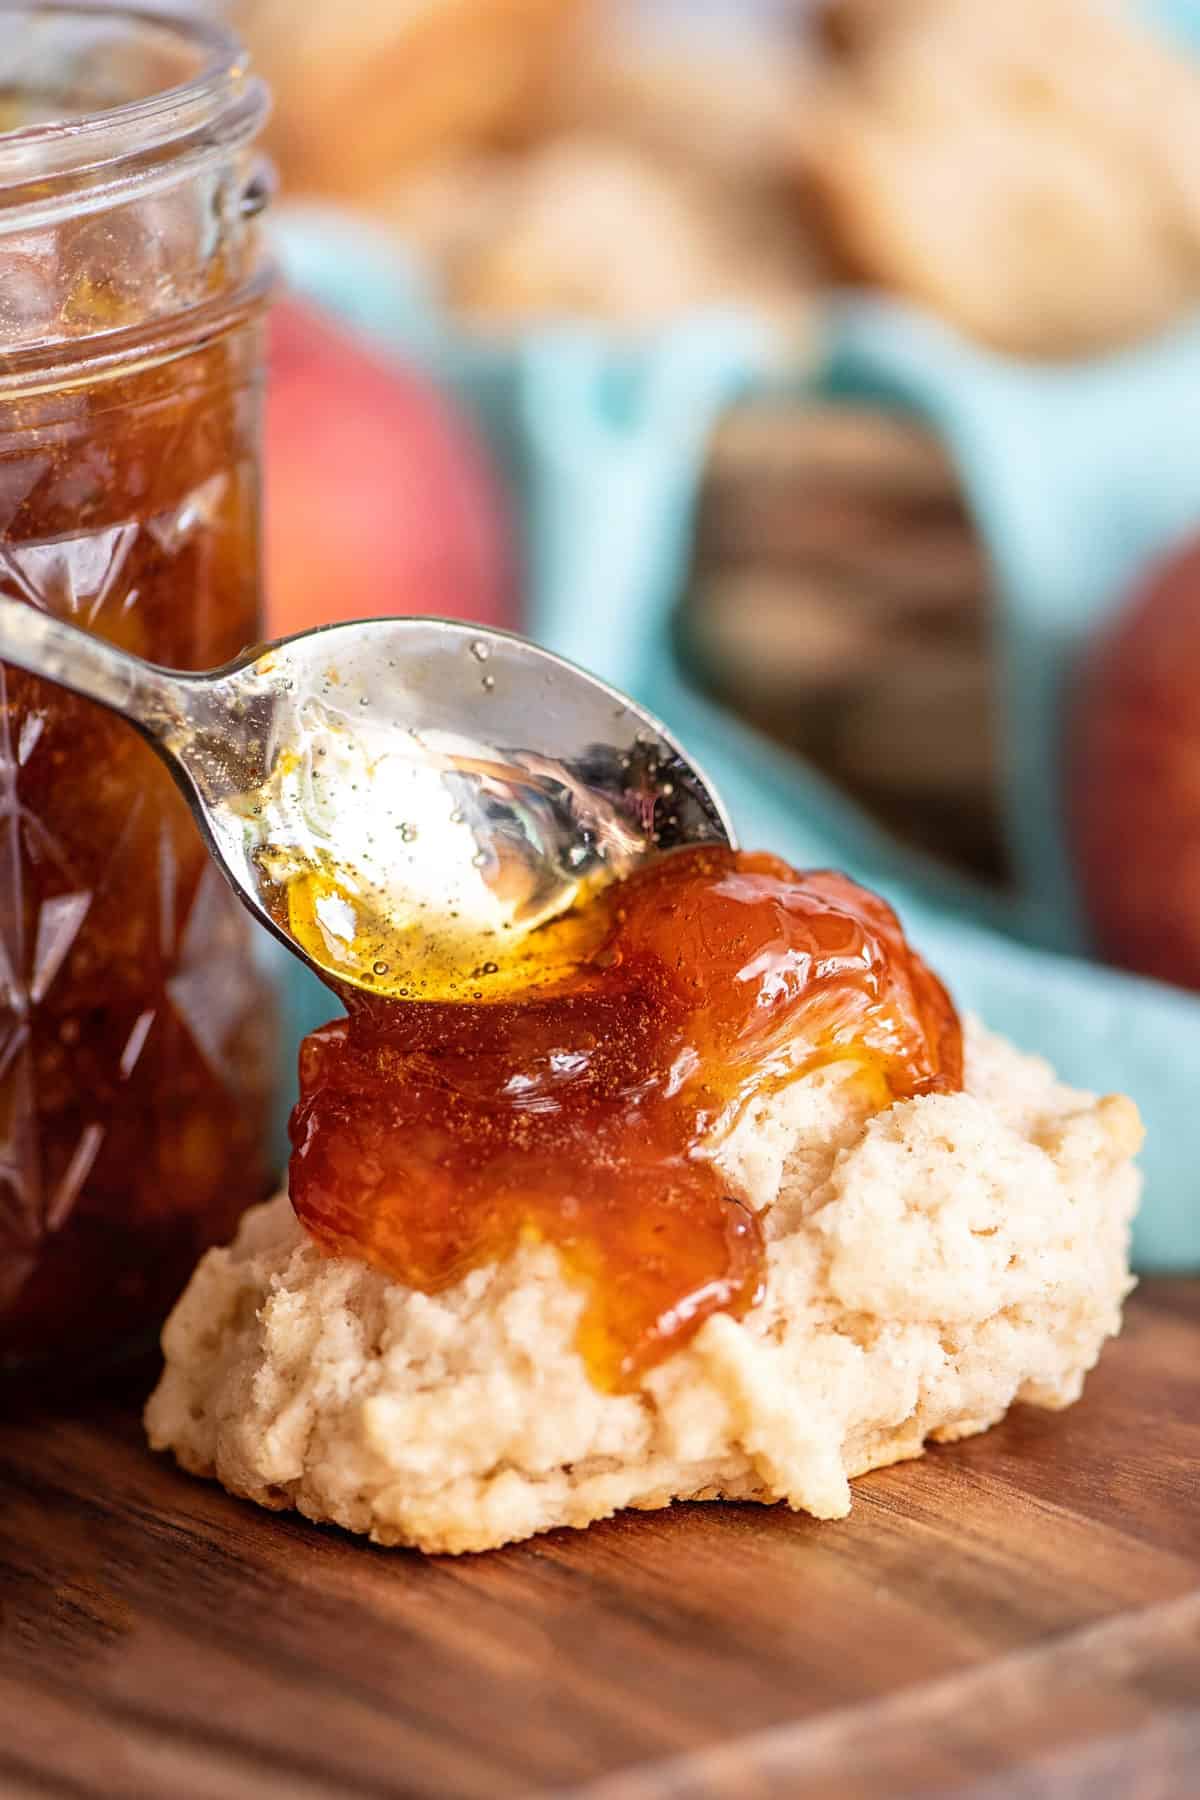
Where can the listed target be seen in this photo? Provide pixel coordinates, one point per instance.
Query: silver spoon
(400, 801)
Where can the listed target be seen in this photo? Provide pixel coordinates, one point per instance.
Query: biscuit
(927, 1266)
(375, 87)
(1030, 171)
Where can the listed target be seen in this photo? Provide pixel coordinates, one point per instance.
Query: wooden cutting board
(1017, 1615)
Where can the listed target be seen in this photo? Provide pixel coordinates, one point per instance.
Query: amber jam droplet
(433, 1137)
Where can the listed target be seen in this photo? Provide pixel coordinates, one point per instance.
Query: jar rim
(48, 166)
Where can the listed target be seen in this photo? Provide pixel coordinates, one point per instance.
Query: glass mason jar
(136, 1028)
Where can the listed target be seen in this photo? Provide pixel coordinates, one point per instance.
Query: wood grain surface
(1014, 1616)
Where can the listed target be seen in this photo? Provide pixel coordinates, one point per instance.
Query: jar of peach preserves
(136, 1027)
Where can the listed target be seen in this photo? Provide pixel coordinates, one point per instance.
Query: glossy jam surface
(430, 1138)
(136, 1049)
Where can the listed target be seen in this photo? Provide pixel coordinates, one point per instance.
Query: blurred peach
(1134, 778)
(379, 496)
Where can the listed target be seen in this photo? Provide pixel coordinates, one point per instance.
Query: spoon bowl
(403, 802)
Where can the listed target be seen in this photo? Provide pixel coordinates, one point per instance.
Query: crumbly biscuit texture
(928, 1266)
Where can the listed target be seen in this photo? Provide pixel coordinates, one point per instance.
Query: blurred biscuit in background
(367, 88)
(583, 226)
(662, 182)
(657, 180)
(545, 163)
(1029, 169)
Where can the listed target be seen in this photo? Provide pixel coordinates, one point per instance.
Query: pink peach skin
(1134, 778)
(379, 496)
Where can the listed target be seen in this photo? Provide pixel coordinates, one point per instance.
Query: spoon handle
(148, 697)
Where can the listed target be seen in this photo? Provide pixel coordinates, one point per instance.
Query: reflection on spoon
(424, 864)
